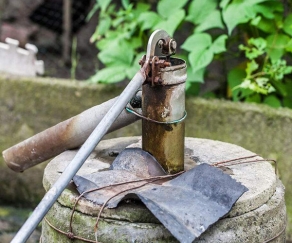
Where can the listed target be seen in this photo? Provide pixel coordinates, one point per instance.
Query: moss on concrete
(11, 219)
(83, 226)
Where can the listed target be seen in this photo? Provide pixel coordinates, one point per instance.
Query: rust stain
(164, 141)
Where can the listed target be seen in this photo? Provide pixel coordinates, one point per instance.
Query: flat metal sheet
(190, 203)
(186, 205)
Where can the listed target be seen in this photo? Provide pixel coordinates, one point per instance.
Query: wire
(155, 121)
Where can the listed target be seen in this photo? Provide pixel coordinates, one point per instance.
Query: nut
(160, 43)
(173, 44)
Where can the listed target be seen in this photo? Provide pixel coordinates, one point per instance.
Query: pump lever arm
(86, 149)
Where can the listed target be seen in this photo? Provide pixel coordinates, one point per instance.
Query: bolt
(160, 43)
(173, 44)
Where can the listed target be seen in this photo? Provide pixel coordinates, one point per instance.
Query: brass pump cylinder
(165, 104)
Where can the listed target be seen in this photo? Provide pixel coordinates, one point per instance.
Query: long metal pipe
(68, 134)
(83, 153)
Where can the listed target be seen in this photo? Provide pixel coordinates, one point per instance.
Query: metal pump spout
(163, 106)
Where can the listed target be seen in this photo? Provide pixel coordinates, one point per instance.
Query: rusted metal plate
(131, 164)
(137, 161)
(186, 205)
(190, 203)
(103, 179)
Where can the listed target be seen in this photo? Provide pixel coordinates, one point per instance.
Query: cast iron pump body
(163, 105)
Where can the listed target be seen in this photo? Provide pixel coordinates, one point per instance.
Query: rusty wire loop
(277, 235)
(149, 180)
(106, 202)
(91, 241)
(155, 121)
(70, 235)
(238, 162)
(231, 162)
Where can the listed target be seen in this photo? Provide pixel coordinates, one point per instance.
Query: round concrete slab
(258, 177)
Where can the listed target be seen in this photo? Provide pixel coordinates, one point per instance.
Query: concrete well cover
(258, 214)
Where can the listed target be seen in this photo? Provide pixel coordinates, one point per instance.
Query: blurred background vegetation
(235, 49)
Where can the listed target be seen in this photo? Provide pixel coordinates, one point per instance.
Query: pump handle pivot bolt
(173, 45)
(168, 46)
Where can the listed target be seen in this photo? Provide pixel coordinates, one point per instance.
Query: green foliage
(267, 49)
(212, 27)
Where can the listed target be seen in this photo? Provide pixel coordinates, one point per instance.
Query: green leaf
(238, 12)
(259, 43)
(200, 58)
(106, 42)
(279, 20)
(287, 102)
(92, 12)
(272, 101)
(245, 92)
(276, 45)
(289, 46)
(103, 4)
(109, 75)
(166, 8)
(267, 25)
(262, 81)
(125, 3)
(148, 20)
(251, 67)
(288, 25)
(213, 20)
(104, 25)
(223, 4)
(197, 76)
(199, 10)
(235, 14)
(277, 6)
(140, 9)
(199, 41)
(256, 20)
(120, 52)
(218, 45)
(234, 78)
(170, 24)
(265, 10)
(280, 87)
(135, 67)
(255, 48)
(135, 42)
(253, 98)
(253, 87)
